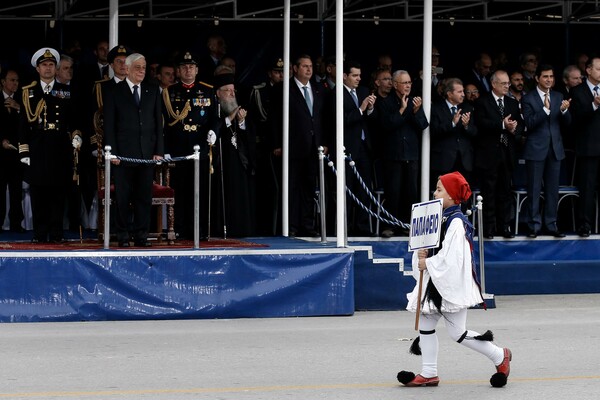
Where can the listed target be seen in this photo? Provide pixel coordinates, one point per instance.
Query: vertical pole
(480, 237)
(427, 35)
(285, 157)
(107, 158)
(197, 197)
(322, 195)
(339, 122)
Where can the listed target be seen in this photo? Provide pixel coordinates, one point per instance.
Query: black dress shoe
(556, 234)
(532, 234)
(507, 234)
(312, 233)
(488, 236)
(123, 244)
(584, 231)
(144, 243)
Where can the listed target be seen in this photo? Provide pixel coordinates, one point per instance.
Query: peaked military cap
(277, 64)
(116, 51)
(45, 54)
(187, 58)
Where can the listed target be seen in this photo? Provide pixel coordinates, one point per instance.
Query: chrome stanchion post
(107, 158)
(480, 236)
(322, 194)
(196, 158)
(489, 300)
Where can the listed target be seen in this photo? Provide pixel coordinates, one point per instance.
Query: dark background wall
(253, 43)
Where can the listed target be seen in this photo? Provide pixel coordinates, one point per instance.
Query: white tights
(456, 327)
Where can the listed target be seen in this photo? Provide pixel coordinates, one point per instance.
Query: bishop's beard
(228, 106)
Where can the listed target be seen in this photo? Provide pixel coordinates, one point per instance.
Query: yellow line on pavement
(266, 388)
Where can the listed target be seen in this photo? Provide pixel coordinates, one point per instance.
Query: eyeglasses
(471, 91)
(404, 82)
(531, 60)
(503, 83)
(229, 91)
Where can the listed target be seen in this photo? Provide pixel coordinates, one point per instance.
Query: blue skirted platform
(283, 277)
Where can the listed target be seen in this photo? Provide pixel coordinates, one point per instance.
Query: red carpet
(93, 244)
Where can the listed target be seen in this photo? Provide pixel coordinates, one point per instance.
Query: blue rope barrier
(392, 221)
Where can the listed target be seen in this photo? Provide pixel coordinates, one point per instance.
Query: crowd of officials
(482, 122)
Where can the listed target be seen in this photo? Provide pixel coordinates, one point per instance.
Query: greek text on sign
(425, 225)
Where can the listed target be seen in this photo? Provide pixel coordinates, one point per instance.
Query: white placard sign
(425, 225)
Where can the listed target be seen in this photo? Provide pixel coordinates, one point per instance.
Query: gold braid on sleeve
(99, 94)
(32, 116)
(177, 116)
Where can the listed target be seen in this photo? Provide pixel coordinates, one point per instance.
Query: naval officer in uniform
(48, 142)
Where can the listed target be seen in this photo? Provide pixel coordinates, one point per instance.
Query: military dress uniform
(46, 137)
(190, 113)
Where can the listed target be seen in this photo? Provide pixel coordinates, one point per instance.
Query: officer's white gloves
(211, 138)
(26, 160)
(77, 141)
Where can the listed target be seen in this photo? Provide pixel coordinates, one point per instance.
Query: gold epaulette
(206, 84)
(98, 90)
(32, 115)
(23, 148)
(108, 78)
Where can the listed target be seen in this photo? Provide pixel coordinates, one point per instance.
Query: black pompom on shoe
(405, 377)
(498, 380)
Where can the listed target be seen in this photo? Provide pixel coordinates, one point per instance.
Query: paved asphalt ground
(554, 339)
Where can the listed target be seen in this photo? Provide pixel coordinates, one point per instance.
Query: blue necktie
(453, 110)
(307, 98)
(355, 98)
(136, 95)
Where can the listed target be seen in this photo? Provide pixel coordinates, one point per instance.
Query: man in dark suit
(306, 134)
(544, 110)
(480, 74)
(499, 124)
(585, 100)
(133, 127)
(403, 121)
(358, 109)
(452, 131)
(11, 170)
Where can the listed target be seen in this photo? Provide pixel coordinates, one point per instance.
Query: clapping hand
(510, 124)
(417, 102)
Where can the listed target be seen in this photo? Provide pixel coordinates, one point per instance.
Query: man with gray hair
(403, 121)
(452, 131)
(133, 127)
